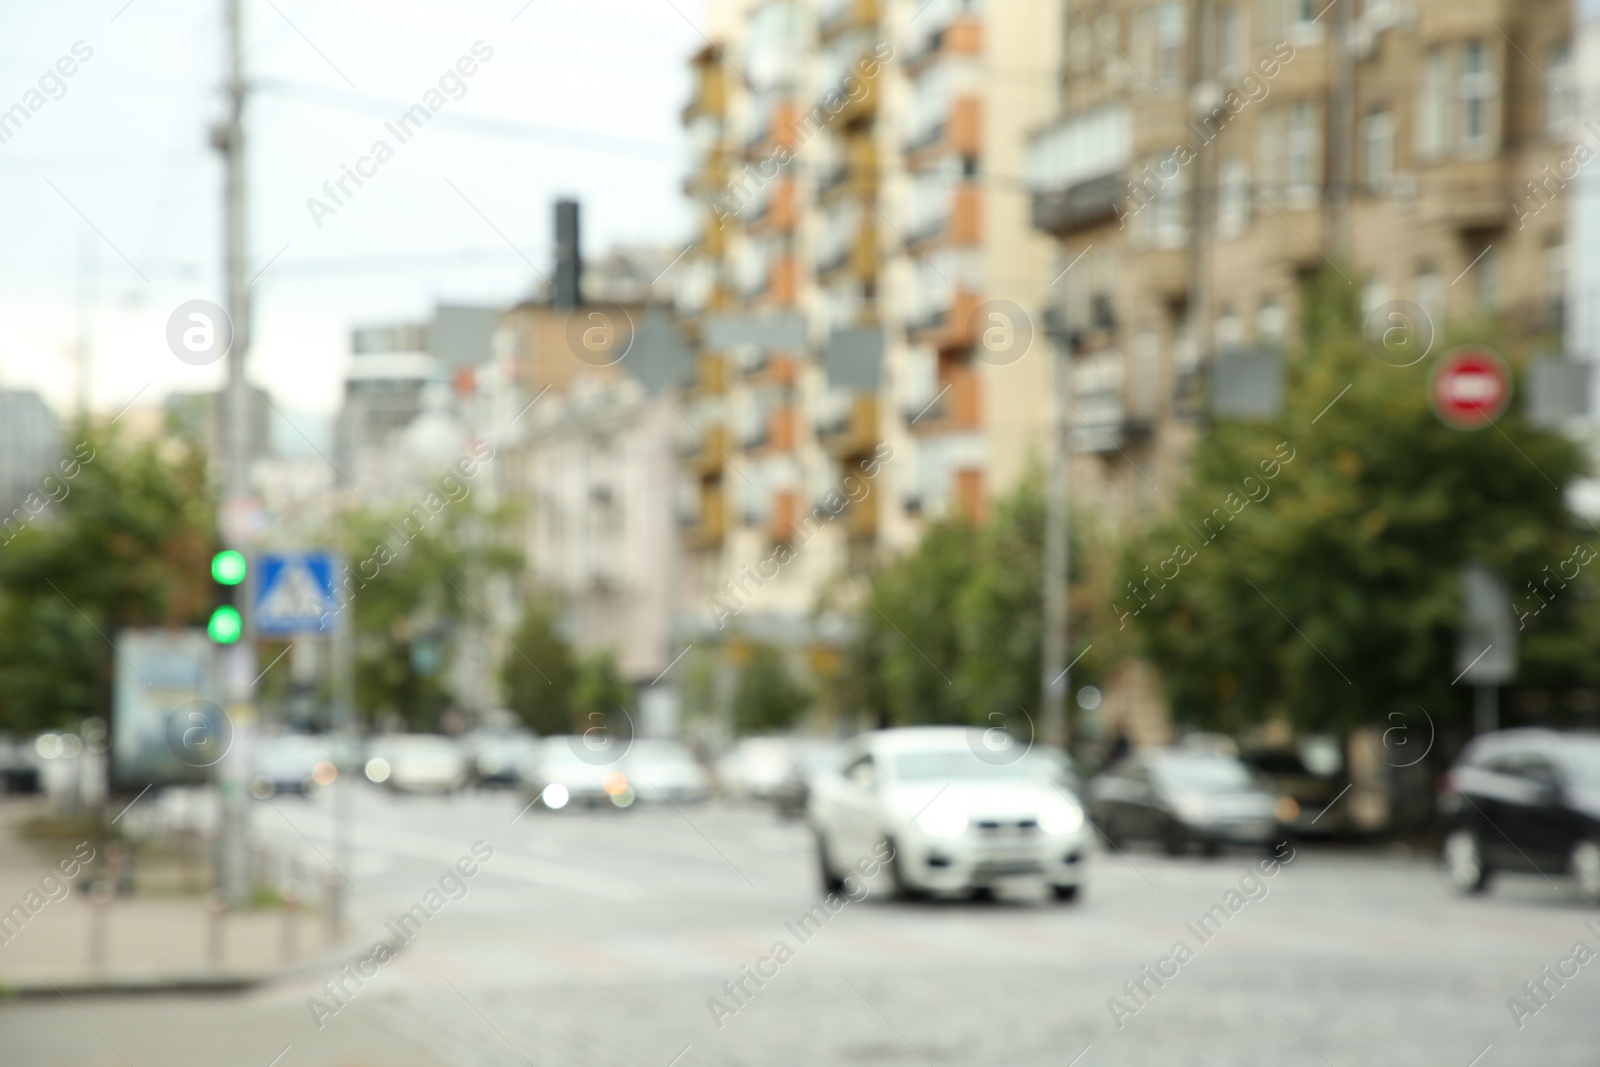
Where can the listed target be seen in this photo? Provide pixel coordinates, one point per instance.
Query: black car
(1524, 800)
(1179, 797)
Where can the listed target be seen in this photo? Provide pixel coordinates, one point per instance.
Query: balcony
(781, 517)
(1468, 194)
(861, 516)
(950, 327)
(851, 430)
(707, 527)
(710, 97)
(704, 450)
(959, 223)
(781, 428)
(958, 403)
(1074, 169)
(839, 16)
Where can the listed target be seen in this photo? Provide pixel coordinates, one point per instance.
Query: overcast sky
(113, 199)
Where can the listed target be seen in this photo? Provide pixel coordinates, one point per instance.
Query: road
(601, 938)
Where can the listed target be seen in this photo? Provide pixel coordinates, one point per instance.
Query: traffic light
(226, 626)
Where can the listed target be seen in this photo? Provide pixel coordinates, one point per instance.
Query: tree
(1311, 565)
(951, 631)
(541, 671)
(767, 697)
(124, 541)
(600, 692)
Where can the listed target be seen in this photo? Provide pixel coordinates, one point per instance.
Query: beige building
(1209, 157)
(865, 287)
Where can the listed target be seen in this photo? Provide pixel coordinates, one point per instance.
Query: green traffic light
(228, 567)
(225, 626)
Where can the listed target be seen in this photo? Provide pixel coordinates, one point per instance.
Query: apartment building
(1208, 157)
(863, 290)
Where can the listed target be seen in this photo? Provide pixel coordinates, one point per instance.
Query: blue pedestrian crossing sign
(293, 593)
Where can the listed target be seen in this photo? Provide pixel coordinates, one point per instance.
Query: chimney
(567, 291)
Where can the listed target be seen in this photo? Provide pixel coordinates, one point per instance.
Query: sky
(113, 199)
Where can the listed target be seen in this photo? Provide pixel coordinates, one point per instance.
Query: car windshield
(1203, 774)
(1582, 762)
(953, 764)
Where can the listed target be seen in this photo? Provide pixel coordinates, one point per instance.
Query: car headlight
(944, 822)
(1190, 808)
(1061, 819)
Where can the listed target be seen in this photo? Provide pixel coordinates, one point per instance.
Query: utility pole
(1053, 679)
(235, 434)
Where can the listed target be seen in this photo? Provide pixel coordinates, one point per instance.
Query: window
(1430, 294)
(1555, 268)
(1230, 41)
(1559, 93)
(1374, 294)
(1163, 30)
(1233, 197)
(1305, 149)
(1377, 136)
(1478, 90)
(1271, 321)
(1269, 154)
(1433, 114)
(1486, 278)
(1230, 329)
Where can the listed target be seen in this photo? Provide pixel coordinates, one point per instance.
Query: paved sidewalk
(48, 929)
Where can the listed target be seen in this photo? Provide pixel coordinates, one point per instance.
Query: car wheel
(1464, 863)
(1584, 863)
(1065, 894)
(831, 883)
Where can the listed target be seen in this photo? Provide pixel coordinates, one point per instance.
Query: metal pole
(347, 759)
(1053, 659)
(238, 672)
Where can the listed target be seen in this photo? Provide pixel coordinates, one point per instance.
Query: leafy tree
(767, 697)
(410, 588)
(124, 542)
(541, 672)
(1311, 565)
(951, 631)
(600, 692)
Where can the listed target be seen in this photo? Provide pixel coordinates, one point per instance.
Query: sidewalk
(48, 930)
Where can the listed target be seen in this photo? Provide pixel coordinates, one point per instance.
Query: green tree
(410, 587)
(767, 697)
(541, 671)
(1311, 565)
(124, 542)
(600, 692)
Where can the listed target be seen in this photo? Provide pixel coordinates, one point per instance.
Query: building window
(1269, 154)
(1230, 330)
(1430, 295)
(1305, 147)
(1271, 322)
(1230, 41)
(1163, 30)
(1377, 135)
(1559, 96)
(1433, 112)
(1555, 266)
(1478, 91)
(1374, 294)
(1486, 279)
(1233, 197)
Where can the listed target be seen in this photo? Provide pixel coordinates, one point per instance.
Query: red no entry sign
(1470, 388)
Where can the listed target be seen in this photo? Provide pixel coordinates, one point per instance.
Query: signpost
(293, 593)
(1470, 388)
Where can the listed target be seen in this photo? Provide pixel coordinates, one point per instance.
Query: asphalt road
(603, 938)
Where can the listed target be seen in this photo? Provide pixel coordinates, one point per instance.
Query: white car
(581, 770)
(663, 770)
(957, 815)
(422, 763)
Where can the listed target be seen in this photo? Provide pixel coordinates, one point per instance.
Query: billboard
(166, 728)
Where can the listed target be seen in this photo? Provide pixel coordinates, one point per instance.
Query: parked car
(663, 770)
(566, 770)
(501, 756)
(756, 767)
(1183, 796)
(810, 757)
(952, 821)
(1312, 774)
(422, 763)
(289, 763)
(1524, 800)
(19, 773)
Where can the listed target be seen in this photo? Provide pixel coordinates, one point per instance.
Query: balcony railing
(1074, 168)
